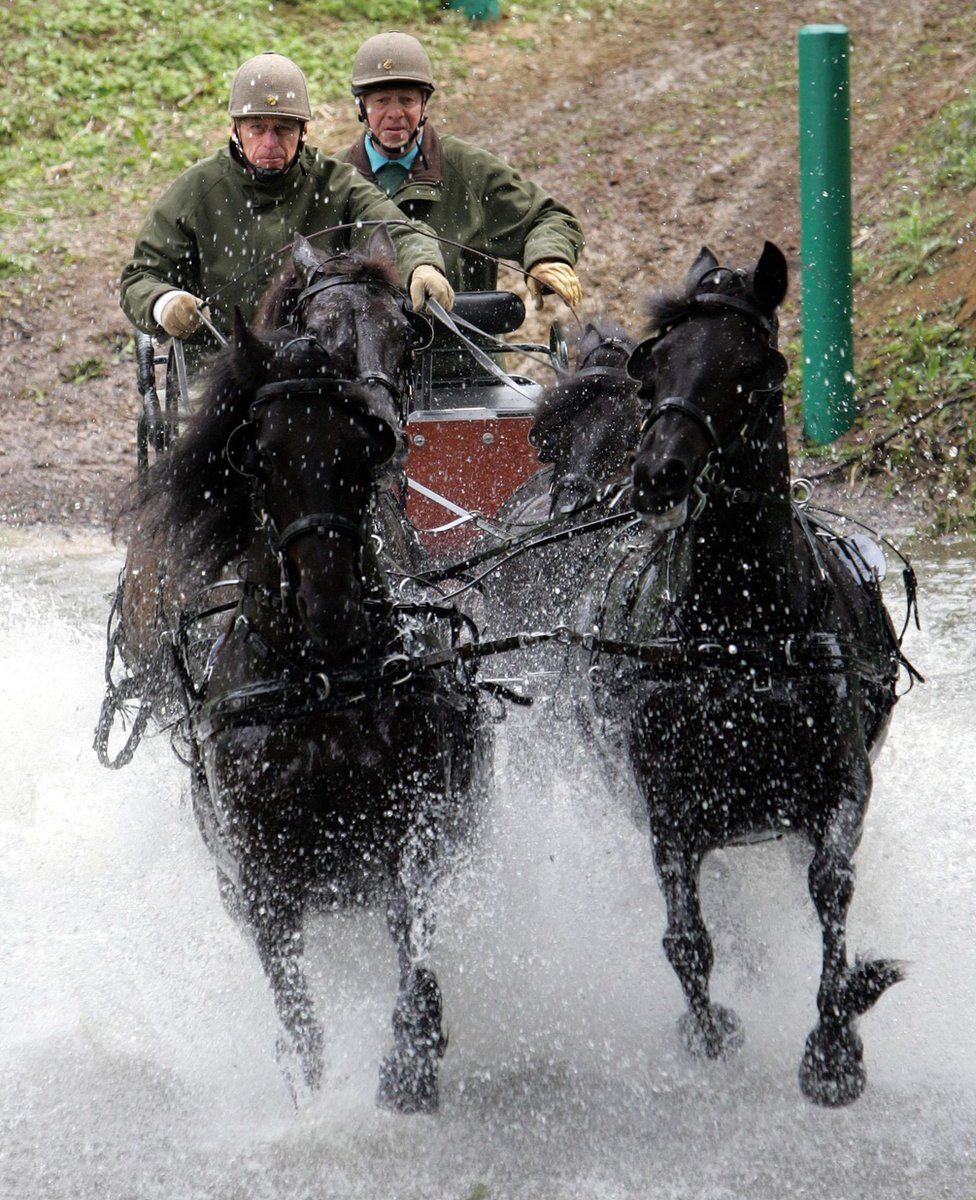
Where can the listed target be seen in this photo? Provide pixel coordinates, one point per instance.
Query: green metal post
(478, 10)
(825, 231)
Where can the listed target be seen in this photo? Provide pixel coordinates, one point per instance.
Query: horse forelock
(671, 305)
(278, 305)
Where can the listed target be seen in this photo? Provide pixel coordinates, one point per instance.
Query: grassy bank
(105, 102)
(916, 348)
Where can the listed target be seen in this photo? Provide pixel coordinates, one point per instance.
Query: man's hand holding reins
(180, 315)
(558, 277)
(427, 282)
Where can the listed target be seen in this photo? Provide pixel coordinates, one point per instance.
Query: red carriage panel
(474, 459)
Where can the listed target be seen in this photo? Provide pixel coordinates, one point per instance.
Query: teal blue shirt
(390, 172)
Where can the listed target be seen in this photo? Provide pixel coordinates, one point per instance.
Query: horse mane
(192, 500)
(195, 501)
(279, 303)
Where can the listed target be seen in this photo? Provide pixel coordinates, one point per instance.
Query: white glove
(427, 281)
(180, 315)
(558, 277)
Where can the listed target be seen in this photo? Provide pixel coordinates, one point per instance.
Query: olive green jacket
(464, 193)
(218, 233)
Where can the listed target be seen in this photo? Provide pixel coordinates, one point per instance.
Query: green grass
(914, 364)
(916, 236)
(915, 360)
(80, 372)
(107, 100)
(952, 142)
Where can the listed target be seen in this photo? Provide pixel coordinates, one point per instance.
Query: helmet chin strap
(393, 155)
(266, 174)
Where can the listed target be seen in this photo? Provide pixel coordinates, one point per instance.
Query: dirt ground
(663, 131)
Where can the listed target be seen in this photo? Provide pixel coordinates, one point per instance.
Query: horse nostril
(660, 484)
(672, 478)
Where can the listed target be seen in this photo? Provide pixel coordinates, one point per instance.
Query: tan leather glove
(428, 281)
(181, 315)
(558, 276)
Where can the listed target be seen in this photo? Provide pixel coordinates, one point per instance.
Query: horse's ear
(777, 369)
(241, 333)
(705, 262)
(303, 258)
(770, 279)
(381, 247)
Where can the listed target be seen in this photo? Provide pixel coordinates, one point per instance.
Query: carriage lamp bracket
(558, 346)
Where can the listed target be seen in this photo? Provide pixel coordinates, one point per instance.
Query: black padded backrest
(492, 312)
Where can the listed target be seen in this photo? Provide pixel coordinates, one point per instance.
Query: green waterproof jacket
(464, 193)
(218, 232)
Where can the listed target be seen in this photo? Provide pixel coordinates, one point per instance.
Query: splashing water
(138, 1034)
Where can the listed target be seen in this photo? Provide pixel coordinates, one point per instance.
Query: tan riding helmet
(269, 85)
(391, 58)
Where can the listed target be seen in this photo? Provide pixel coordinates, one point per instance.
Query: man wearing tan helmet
(461, 191)
(216, 237)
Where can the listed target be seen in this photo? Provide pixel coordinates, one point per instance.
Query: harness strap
(818, 653)
(323, 524)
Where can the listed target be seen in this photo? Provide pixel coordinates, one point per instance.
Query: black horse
(741, 665)
(332, 763)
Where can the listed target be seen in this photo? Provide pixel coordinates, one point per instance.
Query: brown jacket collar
(430, 149)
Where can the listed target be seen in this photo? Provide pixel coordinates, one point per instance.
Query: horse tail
(867, 981)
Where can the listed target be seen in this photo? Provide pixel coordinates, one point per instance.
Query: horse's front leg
(275, 912)
(832, 1071)
(707, 1029)
(408, 1075)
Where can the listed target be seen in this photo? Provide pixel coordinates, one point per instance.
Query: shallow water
(138, 1035)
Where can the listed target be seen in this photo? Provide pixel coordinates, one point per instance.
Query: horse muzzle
(661, 491)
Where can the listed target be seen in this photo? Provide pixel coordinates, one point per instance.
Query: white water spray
(138, 1033)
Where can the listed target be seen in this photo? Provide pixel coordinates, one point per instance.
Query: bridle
(331, 389)
(761, 403)
(318, 524)
(321, 281)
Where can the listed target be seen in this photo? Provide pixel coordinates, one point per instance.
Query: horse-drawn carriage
(730, 653)
(466, 421)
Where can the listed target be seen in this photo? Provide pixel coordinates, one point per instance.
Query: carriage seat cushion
(492, 312)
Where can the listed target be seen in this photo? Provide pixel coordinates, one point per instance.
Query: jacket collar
(433, 151)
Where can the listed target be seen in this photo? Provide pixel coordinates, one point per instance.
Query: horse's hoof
(831, 1072)
(721, 1037)
(408, 1084)
(302, 1072)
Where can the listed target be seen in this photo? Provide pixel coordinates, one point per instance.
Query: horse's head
(355, 309)
(313, 445)
(299, 419)
(711, 374)
(586, 423)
